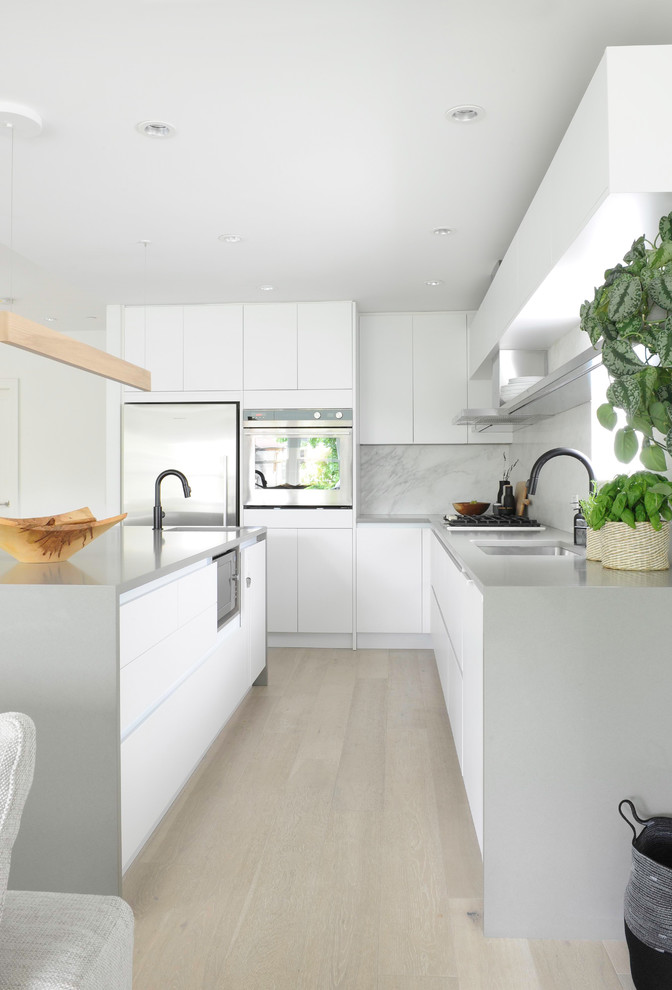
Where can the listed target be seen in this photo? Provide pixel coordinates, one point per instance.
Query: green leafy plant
(631, 314)
(641, 497)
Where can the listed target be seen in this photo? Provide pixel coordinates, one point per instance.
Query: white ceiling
(315, 130)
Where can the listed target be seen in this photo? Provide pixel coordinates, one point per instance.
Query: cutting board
(520, 495)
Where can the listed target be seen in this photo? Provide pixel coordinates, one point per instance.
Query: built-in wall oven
(297, 458)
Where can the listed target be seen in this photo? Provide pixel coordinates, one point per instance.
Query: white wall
(62, 415)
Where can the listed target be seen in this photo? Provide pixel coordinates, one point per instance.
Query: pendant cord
(11, 217)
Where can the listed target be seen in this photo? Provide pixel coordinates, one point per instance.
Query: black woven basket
(648, 902)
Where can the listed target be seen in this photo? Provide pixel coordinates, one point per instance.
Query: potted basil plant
(628, 522)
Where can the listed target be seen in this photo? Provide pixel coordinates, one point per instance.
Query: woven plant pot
(594, 544)
(639, 549)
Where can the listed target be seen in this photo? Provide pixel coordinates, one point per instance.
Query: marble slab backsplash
(427, 478)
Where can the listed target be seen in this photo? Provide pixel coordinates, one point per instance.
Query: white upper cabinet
(229, 347)
(439, 376)
(305, 346)
(153, 339)
(386, 378)
(270, 355)
(412, 377)
(325, 345)
(187, 348)
(213, 348)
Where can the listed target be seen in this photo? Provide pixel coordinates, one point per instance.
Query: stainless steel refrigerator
(200, 439)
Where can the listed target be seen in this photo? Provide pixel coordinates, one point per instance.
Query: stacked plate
(515, 386)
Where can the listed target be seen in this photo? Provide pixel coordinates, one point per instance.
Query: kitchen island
(117, 657)
(558, 681)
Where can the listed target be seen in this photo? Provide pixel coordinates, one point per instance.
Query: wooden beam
(20, 332)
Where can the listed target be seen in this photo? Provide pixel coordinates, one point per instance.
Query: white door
(389, 579)
(325, 580)
(282, 580)
(269, 346)
(324, 344)
(9, 445)
(439, 377)
(254, 606)
(386, 378)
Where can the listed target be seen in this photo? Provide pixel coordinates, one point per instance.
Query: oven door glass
(300, 467)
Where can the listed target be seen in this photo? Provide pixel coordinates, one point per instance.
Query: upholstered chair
(52, 941)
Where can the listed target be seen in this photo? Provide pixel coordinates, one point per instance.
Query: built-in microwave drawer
(228, 603)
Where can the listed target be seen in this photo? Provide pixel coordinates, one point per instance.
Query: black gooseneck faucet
(158, 512)
(558, 452)
(579, 531)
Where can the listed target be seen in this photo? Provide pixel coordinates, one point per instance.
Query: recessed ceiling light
(443, 231)
(434, 281)
(467, 113)
(267, 288)
(51, 319)
(7, 301)
(155, 128)
(230, 238)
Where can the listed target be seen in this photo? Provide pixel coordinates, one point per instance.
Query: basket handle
(634, 814)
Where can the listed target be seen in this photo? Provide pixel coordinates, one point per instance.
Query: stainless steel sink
(502, 549)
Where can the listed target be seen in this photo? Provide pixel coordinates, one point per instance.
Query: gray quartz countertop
(127, 557)
(494, 571)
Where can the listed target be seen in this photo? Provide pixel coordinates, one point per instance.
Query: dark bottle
(500, 491)
(508, 500)
(580, 526)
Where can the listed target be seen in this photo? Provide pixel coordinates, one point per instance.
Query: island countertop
(129, 556)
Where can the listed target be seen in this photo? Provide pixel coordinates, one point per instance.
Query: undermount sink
(528, 549)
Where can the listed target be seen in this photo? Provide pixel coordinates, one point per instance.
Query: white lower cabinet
(472, 667)
(282, 580)
(180, 681)
(253, 606)
(457, 640)
(324, 580)
(158, 758)
(389, 579)
(310, 580)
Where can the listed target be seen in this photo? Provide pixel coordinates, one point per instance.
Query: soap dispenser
(580, 525)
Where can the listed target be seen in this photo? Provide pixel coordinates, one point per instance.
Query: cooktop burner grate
(503, 522)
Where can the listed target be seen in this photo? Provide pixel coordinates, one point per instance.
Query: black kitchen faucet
(158, 512)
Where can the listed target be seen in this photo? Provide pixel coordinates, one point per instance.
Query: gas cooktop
(492, 522)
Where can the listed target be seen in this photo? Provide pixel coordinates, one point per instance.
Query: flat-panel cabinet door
(134, 339)
(253, 593)
(325, 345)
(472, 643)
(440, 645)
(455, 704)
(439, 377)
(325, 580)
(282, 580)
(389, 579)
(213, 348)
(385, 378)
(270, 346)
(164, 347)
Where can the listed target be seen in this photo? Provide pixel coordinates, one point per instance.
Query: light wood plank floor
(325, 842)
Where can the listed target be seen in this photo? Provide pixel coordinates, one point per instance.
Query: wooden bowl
(470, 508)
(48, 539)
